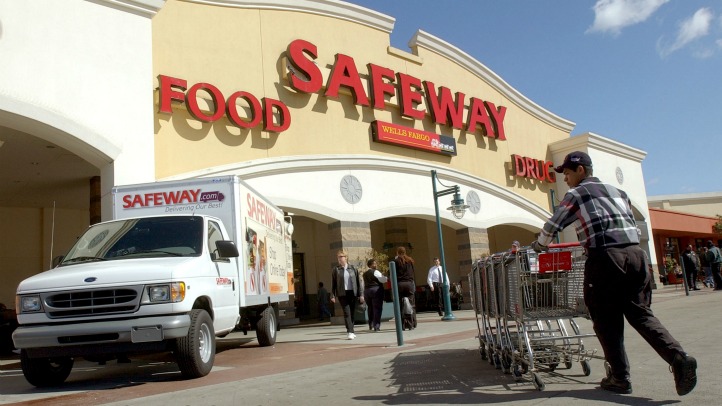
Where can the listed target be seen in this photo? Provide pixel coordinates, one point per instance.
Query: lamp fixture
(457, 208)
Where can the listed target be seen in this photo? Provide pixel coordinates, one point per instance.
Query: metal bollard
(397, 304)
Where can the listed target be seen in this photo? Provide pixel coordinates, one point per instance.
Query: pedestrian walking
(406, 276)
(616, 281)
(691, 264)
(708, 280)
(435, 280)
(346, 286)
(322, 296)
(374, 294)
(714, 259)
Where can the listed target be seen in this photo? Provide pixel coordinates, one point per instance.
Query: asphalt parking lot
(438, 363)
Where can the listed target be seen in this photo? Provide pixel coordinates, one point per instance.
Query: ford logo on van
(91, 279)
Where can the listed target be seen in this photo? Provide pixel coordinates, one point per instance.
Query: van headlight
(167, 293)
(30, 304)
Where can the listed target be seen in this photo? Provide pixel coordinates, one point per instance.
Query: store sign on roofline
(531, 168)
(305, 76)
(416, 98)
(408, 137)
(174, 89)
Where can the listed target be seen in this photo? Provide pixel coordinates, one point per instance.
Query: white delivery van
(181, 263)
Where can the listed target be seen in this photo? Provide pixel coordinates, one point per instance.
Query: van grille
(92, 302)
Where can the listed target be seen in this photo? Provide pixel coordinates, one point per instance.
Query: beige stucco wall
(701, 204)
(243, 49)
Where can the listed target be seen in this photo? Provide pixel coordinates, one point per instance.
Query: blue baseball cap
(574, 159)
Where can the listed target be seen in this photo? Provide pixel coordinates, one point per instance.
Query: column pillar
(396, 233)
(352, 236)
(473, 243)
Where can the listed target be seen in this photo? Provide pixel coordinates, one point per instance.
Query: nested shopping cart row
(526, 304)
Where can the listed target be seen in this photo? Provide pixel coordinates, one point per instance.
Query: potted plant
(673, 271)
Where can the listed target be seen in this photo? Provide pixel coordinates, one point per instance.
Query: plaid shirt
(602, 216)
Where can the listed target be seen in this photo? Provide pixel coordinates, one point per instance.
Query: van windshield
(180, 236)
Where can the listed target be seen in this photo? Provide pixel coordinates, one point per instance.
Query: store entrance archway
(46, 193)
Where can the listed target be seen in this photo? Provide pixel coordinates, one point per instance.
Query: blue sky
(647, 73)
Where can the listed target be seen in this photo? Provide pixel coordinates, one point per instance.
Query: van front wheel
(43, 372)
(196, 352)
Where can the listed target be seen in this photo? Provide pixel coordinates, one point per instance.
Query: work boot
(684, 369)
(615, 385)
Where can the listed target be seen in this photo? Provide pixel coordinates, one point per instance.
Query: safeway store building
(307, 102)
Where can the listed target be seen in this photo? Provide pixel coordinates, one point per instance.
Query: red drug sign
(526, 167)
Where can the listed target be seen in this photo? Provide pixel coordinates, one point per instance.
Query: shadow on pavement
(459, 376)
(87, 376)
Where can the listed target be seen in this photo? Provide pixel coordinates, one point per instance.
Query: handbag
(407, 309)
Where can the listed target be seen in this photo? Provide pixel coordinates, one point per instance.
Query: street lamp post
(457, 209)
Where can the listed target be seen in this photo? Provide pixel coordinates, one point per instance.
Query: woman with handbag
(405, 276)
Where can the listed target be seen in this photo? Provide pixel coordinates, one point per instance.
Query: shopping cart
(488, 290)
(526, 304)
(546, 296)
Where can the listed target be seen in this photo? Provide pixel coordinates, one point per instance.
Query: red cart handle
(564, 245)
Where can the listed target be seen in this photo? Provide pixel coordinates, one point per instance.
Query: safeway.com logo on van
(173, 198)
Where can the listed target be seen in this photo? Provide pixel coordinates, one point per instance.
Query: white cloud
(613, 15)
(703, 53)
(719, 43)
(690, 29)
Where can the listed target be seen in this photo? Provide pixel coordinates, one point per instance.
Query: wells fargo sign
(408, 137)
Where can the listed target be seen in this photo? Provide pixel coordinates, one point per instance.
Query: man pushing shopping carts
(616, 281)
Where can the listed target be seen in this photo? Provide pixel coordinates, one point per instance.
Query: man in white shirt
(434, 280)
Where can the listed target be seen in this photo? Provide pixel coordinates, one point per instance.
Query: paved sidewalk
(439, 363)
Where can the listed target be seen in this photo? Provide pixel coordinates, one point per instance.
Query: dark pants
(374, 297)
(617, 285)
(691, 277)
(323, 311)
(348, 304)
(408, 289)
(437, 296)
(715, 268)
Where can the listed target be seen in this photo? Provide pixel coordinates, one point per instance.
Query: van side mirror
(57, 260)
(226, 249)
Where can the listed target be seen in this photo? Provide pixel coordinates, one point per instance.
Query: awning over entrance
(682, 223)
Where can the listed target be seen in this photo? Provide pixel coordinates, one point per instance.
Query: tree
(382, 260)
(717, 227)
